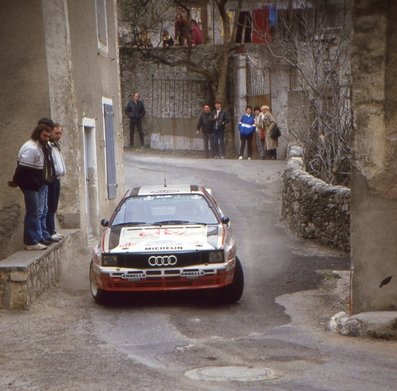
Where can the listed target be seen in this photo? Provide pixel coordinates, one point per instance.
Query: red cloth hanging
(261, 26)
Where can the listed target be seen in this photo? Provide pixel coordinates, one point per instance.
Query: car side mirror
(104, 222)
(225, 220)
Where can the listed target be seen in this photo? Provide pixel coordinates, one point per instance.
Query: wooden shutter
(110, 152)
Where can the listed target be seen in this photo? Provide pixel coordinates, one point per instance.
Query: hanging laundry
(260, 26)
(273, 16)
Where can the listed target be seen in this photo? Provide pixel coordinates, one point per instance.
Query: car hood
(165, 238)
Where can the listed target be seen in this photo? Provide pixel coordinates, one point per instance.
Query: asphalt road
(275, 338)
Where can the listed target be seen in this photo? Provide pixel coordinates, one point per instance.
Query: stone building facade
(374, 180)
(60, 60)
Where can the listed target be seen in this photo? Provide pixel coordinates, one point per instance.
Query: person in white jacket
(54, 188)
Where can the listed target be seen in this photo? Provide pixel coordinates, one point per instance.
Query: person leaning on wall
(32, 175)
(54, 188)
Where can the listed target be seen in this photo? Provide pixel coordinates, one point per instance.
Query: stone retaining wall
(25, 275)
(312, 208)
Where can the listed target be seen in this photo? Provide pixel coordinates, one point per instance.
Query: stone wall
(173, 95)
(312, 208)
(25, 275)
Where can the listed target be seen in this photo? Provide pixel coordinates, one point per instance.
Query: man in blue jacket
(246, 127)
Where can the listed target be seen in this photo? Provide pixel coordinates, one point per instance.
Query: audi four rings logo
(162, 260)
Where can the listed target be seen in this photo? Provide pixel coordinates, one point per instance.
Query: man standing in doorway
(221, 120)
(135, 111)
(55, 186)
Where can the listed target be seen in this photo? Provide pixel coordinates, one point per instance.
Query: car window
(177, 208)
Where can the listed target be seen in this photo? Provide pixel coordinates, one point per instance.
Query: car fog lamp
(109, 260)
(215, 257)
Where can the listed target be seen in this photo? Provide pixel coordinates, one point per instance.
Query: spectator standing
(135, 110)
(196, 33)
(181, 30)
(269, 123)
(167, 40)
(33, 173)
(221, 119)
(143, 37)
(247, 131)
(260, 132)
(205, 123)
(54, 187)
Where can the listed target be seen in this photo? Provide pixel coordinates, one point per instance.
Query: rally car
(167, 238)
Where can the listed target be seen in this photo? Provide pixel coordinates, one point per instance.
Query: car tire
(98, 294)
(232, 293)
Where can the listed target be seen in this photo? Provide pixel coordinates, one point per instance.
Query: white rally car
(163, 238)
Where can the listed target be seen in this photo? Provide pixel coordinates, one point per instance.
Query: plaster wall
(24, 96)
(95, 73)
(374, 179)
(280, 88)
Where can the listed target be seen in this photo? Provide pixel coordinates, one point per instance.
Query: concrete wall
(374, 180)
(52, 66)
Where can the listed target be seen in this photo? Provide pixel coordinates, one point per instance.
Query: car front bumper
(118, 279)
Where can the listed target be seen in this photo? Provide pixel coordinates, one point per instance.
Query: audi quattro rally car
(167, 238)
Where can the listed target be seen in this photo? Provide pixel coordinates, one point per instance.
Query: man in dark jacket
(221, 119)
(135, 111)
(34, 171)
(206, 124)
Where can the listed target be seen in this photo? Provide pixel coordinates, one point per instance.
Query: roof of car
(169, 189)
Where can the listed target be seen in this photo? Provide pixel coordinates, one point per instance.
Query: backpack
(275, 133)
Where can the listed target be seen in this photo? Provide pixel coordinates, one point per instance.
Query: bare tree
(157, 16)
(314, 41)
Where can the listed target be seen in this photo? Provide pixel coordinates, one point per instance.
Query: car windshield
(165, 209)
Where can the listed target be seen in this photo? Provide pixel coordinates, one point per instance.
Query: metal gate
(172, 98)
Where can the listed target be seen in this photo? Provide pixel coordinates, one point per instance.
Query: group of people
(183, 33)
(260, 123)
(212, 126)
(40, 165)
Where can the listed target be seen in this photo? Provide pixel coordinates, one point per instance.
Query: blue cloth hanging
(273, 16)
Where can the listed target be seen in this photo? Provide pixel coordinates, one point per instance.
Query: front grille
(140, 261)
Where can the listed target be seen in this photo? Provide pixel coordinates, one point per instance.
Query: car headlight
(109, 260)
(216, 257)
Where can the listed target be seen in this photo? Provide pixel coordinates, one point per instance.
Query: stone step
(25, 275)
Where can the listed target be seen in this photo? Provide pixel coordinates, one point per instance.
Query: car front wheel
(98, 294)
(232, 293)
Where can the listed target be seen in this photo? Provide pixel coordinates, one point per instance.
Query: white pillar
(240, 94)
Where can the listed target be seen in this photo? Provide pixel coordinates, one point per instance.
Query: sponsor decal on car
(163, 239)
